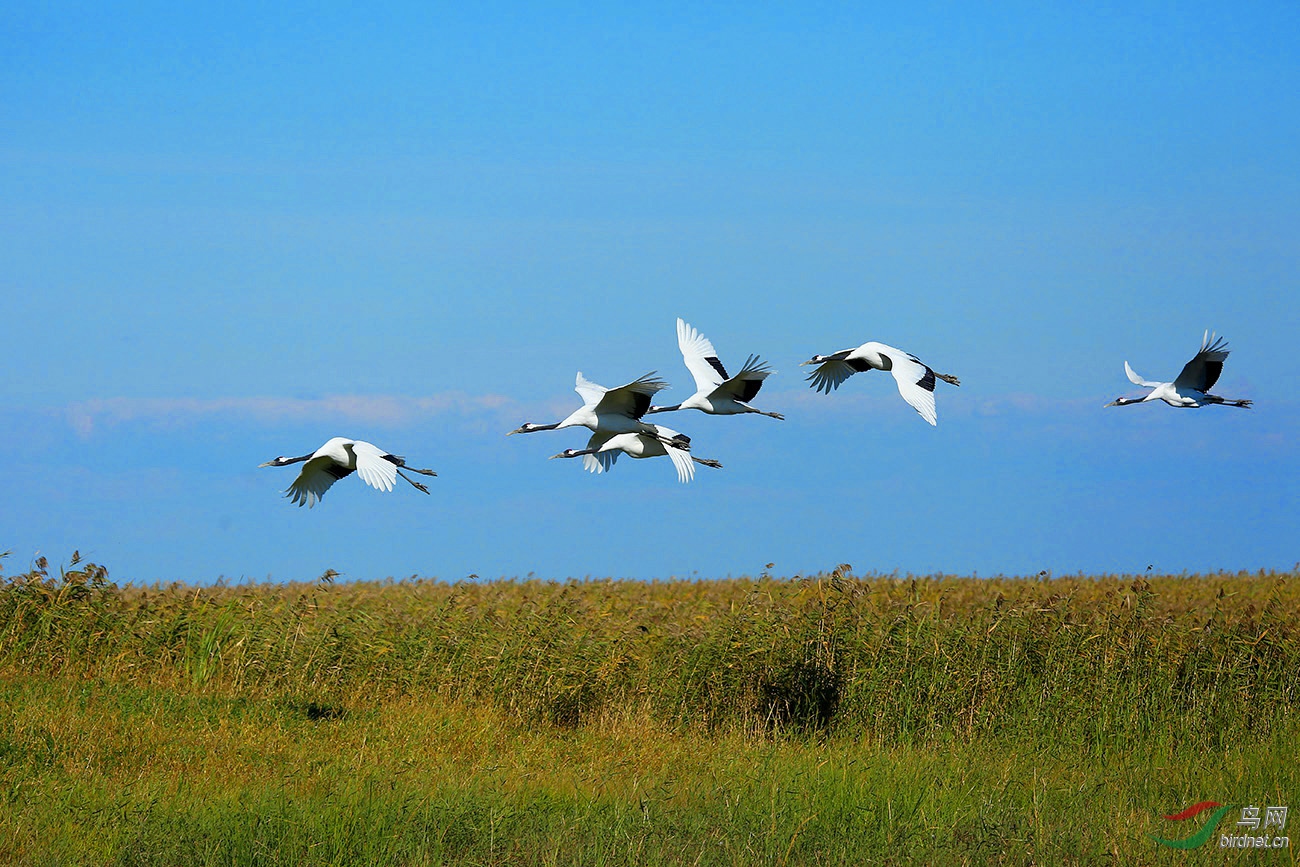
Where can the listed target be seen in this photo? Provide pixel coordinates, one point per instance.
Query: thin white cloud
(952, 403)
(1271, 426)
(1072, 417)
(389, 410)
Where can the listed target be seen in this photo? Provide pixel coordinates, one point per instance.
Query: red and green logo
(1207, 830)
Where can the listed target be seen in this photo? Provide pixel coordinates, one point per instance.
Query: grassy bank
(833, 719)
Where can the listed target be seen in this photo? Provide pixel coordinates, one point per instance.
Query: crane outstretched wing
(600, 461)
(744, 385)
(588, 390)
(915, 383)
(700, 357)
(1134, 378)
(681, 462)
(317, 475)
(1202, 372)
(373, 466)
(829, 374)
(632, 399)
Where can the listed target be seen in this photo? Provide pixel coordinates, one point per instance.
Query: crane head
(282, 461)
(529, 427)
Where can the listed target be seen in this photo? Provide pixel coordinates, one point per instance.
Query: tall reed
(1100, 660)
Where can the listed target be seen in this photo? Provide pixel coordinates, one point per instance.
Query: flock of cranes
(616, 416)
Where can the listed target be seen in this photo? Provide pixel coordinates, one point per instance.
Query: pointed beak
(808, 362)
(267, 464)
(553, 457)
(1112, 403)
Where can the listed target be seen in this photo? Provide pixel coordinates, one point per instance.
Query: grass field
(832, 719)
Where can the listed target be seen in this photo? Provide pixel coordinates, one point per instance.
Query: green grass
(825, 720)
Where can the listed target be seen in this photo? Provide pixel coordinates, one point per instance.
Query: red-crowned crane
(915, 379)
(1192, 387)
(610, 410)
(604, 448)
(715, 392)
(340, 458)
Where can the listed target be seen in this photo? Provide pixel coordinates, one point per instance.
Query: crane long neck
(664, 408)
(575, 453)
(529, 427)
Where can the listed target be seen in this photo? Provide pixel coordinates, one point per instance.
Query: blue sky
(233, 233)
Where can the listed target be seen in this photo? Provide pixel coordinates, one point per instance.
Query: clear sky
(234, 232)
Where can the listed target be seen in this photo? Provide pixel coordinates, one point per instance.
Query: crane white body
(1191, 388)
(716, 393)
(603, 449)
(915, 379)
(339, 458)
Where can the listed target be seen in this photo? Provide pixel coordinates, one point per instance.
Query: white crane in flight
(340, 458)
(715, 392)
(604, 448)
(915, 379)
(609, 410)
(1192, 387)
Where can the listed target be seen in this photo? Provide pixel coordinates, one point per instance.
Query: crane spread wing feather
(915, 383)
(1202, 372)
(829, 374)
(744, 385)
(373, 466)
(700, 357)
(312, 483)
(600, 461)
(1134, 378)
(682, 462)
(632, 399)
(588, 390)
